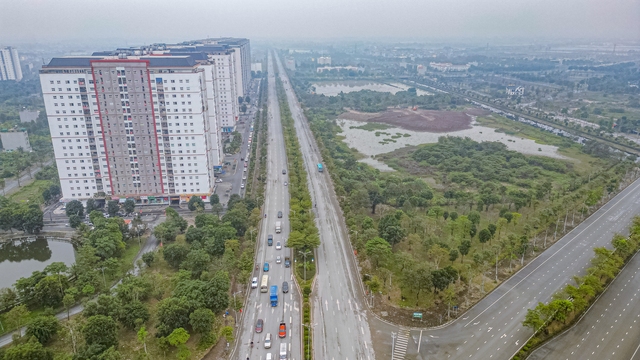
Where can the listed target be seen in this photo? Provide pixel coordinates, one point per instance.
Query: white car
(254, 283)
(278, 246)
(244, 177)
(286, 183)
(278, 259)
(218, 180)
(242, 186)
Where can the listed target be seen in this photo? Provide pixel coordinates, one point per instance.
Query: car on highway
(282, 331)
(278, 259)
(259, 325)
(244, 177)
(245, 164)
(266, 267)
(279, 214)
(254, 283)
(285, 287)
(241, 186)
(278, 245)
(284, 171)
(286, 183)
(267, 341)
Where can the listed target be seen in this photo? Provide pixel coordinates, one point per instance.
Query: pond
(19, 258)
(333, 88)
(371, 143)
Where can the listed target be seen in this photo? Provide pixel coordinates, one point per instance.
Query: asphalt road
(492, 329)
(339, 317)
(609, 330)
(11, 185)
(258, 305)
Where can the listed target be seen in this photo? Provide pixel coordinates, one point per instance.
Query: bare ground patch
(434, 121)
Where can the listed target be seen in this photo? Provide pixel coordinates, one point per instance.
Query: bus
(264, 286)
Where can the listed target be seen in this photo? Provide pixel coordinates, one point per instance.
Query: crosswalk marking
(400, 348)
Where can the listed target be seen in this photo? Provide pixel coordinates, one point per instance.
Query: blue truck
(319, 167)
(274, 295)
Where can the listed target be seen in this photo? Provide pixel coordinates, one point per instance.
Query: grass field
(31, 192)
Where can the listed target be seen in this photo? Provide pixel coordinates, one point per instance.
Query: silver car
(278, 259)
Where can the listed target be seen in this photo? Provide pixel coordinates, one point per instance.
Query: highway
(339, 316)
(609, 330)
(257, 304)
(492, 329)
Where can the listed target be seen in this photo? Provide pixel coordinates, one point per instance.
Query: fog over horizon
(146, 21)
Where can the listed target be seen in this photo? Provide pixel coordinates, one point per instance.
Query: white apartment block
(324, 60)
(10, 64)
(131, 126)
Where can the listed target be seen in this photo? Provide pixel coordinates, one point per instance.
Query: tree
(101, 330)
(202, 320)
(2, 185)
(195, 203)
(74, 221)
(464, 247)
(214, 199)
(32, 349)
(453, 255)
(43, 328)
(68, 300)
(533, 320)
(453, 216)
(217, 209)
(474, 217)
(148, 258)
(436, 254)
(142, 337)
(105, 305)
(196, 261)
(175, 254)
(91, 206)
(75, 207)
(194, 234)
(113, 207)
(16, 316)
(130, 313)
(492, 229)
(172, 313)
(378, 250)
(484, 236)
(166, 232)
(129, 206)
(417, 278)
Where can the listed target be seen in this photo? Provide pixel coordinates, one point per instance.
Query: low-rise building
(324, 60)
(513, 90)
(27, 116)
(449, 67)
(13, 140)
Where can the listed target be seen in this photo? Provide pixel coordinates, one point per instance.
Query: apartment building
(131, 126)
(10, 64)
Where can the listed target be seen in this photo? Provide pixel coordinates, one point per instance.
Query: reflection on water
(334, 88)
(21, 258)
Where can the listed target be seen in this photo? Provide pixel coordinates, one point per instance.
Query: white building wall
(71, 142)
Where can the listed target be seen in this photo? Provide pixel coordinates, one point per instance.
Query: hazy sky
(161, 20)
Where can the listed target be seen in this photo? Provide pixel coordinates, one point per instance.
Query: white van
(268, 357)
(283, 351)
(267, 341)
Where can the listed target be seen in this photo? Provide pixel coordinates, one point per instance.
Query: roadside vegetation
(175, 308)
(457, 217)
(257, 172)
(303, 238)
(567, 306)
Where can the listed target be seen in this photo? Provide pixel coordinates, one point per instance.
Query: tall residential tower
(143, 123)
(10, 64)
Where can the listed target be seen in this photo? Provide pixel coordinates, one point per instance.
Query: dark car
(284, 171)
(259, 326)
(285, 287)
(279, 214)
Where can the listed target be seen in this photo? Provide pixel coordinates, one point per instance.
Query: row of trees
(548, 319)
(27, 217)
(491, 209)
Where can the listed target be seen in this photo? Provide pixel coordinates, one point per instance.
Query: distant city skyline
(31, 21)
